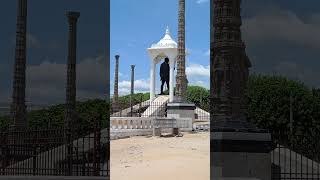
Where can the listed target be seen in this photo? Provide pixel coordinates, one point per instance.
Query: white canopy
(166, 47)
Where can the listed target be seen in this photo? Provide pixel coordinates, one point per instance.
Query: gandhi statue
(164, 74)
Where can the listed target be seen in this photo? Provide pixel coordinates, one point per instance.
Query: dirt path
(176, 158)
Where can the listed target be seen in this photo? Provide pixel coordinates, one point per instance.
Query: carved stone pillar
(132, 79)
(239, 150)
(18, 107)
(132, 89)
(181, 79)
(71, 69)
(115, 101)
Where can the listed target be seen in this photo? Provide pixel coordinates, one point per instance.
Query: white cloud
(207, 53)
(140, 85)
(200, 83)
(198, 70)
(32, 41)
(46, 82)
(198, 75)
(202, 1)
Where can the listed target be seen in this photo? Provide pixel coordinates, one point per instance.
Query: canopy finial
(167, 30)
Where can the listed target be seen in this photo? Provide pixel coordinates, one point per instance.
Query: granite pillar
(115, 101)
(18, 107)
(239, 150)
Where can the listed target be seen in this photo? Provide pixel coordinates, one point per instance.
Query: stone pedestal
(175, 131)
(156, 131)
(181, 110)
(243, 155)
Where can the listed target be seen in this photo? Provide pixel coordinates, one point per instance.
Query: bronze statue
(164, 74)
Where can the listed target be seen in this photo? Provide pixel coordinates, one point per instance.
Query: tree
(199, 96)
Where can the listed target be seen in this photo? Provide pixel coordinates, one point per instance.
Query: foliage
(136, 98)
(53, 117)
(269, 108)
(4, 122)
(269, 103)
(199, 96)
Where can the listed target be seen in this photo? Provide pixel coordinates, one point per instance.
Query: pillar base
(240, 155)
(180, 110)
(156, 132)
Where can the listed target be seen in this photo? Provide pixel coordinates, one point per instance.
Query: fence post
(131, 107)
(34, 159)
(96, 144)
(5, 151)
(69, 151)
(141, 99)
(291, 114)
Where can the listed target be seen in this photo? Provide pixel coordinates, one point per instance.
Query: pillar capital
(72, 16)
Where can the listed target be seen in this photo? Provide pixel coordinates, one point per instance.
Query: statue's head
(166, 60)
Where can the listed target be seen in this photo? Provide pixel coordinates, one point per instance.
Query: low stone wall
(130, 122)
(142, 126)
(121, 133)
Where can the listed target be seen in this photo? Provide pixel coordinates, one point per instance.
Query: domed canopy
(166, 47)
(166, 41)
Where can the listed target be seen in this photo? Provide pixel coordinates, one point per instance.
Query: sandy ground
(174, 158)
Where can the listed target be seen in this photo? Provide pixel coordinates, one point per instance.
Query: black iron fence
(150, 109)
(55, 152)
(139, 109)
(296, 156)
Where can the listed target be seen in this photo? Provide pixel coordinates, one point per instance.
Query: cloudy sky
(282, 37)
(47, 49)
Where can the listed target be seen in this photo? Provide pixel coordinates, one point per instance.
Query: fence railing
(151, 109)
(295, 157)
(141, 109)
(54, 152)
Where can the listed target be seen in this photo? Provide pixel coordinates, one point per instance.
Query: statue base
(181, 110)
(239, 150)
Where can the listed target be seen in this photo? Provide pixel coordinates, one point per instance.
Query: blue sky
(282, 37)
(136, 26)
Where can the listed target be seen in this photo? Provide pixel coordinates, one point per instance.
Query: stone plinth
(243, 155)
(185, 111)
(181, 110)
(156, 131)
